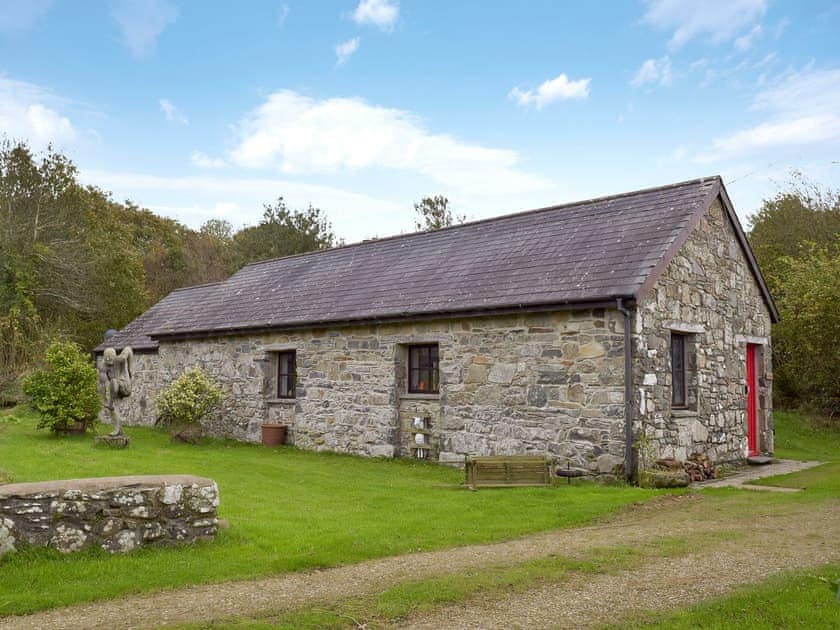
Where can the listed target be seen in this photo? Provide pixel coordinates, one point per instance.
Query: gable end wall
(709, 291)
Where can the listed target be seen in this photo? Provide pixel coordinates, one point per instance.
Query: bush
(65, 392)
(188, 400)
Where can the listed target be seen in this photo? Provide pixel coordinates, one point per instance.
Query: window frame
(679, 341)
(431, 368)
(290, 377)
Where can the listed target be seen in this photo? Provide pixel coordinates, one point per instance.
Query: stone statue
(115, 377)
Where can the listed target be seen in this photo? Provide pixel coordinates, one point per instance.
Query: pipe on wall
(628, 392)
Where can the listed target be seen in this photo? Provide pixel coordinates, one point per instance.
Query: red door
(752, 391)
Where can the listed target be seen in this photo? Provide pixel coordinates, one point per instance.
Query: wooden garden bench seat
(507, 471)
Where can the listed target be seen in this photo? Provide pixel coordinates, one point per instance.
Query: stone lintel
(761, 341)
(684, 327)
(278, 347)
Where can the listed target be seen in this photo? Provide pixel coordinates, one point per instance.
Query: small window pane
(423, 369)
(286, 374)
(678, 389)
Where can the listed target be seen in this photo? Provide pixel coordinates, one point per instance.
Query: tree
(65, 267)
(433, 213)
(283, 232)
(796, 240)
(806, 349)
(801, 214)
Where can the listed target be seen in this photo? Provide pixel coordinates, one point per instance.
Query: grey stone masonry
(548, 383)
(118, 514)
(708, 294)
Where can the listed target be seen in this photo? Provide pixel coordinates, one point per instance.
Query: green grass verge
(288, 510)
(805, 599)
(799, 436)
(820, 484)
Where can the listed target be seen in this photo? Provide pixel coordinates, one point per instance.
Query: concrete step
(759, 460)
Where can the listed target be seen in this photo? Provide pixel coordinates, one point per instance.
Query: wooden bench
(508, 471)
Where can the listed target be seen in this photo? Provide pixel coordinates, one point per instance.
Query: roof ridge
(583, 202)
(197, 286)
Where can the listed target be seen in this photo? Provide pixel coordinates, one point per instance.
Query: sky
(207, 110)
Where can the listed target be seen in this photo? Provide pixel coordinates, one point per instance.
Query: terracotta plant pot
(273, 434)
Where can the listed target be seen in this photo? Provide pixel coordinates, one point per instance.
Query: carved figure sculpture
(115, 376)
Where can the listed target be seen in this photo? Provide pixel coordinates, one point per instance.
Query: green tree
(801, 214)
(433, 213)
(806, 349)
(796, 240)
(64, 392)
(66, 266)
(283, 232)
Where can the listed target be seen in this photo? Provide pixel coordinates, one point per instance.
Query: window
(423, 369)
(679, 393)
(286, 374)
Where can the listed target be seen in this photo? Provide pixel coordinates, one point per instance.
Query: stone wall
(708, 292)
(539, 383)
(117, 514)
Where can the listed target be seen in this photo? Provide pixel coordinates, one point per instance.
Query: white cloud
(142, 21)
(203, 160)
(719, 20)
(299, 134)
(282, 14)
(239, 200)
(559, 88)
(657, 71)
(765, 61)
(345, 50)
(798, 131)
(172, 113)
(22, 15)
(27, 112)
(802, 111)
(746, 41)
(380, 13)
(813, 91)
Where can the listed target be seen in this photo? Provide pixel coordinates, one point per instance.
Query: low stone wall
(116, 513)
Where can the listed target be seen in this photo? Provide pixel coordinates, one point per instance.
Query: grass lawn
(288, 510)
(800, 437)
(802, 599)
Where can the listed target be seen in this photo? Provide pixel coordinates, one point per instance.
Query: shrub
(188, 399)
(65, 392)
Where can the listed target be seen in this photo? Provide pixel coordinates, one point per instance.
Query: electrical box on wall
(421, 436)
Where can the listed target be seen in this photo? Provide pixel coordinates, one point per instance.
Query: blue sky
(203, 110)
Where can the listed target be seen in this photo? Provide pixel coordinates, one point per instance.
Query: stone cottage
(581, 331)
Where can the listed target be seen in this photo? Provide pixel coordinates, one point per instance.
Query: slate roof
(136, 334)
(574, 254)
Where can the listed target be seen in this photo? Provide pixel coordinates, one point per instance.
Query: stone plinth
(118, 514)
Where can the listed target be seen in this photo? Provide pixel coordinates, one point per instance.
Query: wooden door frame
(751, 390)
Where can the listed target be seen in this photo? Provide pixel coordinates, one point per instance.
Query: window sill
(408, 396)
(683, 413)
(281, 401)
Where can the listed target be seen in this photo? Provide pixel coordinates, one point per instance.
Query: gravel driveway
(779, 537)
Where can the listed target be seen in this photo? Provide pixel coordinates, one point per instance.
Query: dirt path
(782, 537)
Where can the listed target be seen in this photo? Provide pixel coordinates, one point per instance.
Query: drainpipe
(628, 392)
